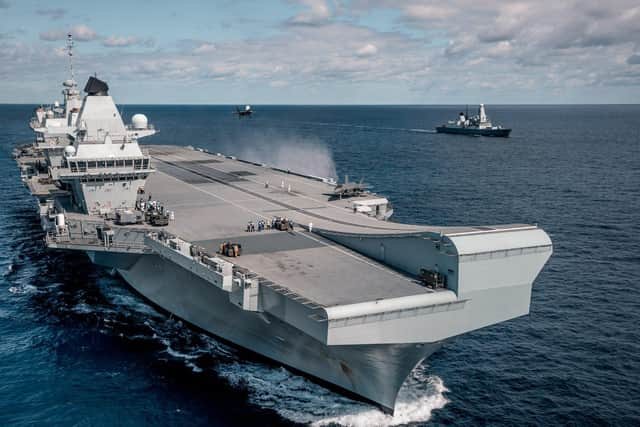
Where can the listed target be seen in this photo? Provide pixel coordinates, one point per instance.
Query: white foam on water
(179, 355)
(83, 308)
(23, 289)
(422, 130)
(194, 367)
(8, 270)
(416, 402)
(300, 400)
(368, 127)
(213, 346)
(132, 302)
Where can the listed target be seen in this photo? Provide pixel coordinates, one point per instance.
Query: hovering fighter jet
(348, 189)
(246, 112)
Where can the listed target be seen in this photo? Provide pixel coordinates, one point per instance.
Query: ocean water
(78, 348)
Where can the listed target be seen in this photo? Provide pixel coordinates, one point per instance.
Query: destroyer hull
(373, 372)
(504, 133)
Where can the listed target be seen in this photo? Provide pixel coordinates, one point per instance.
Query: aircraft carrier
(297, 268)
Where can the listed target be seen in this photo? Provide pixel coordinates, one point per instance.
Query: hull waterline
(503, 133)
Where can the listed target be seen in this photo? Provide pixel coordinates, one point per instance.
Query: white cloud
(434, 48)
(205, 48)
(126, 41)
(173, 68)
(500, 49)
(317, 12)
(428, 12)
(80, 33)
(367, 50)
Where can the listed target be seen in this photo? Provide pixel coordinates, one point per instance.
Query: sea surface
(77, 347)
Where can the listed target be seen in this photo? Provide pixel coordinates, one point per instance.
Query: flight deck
(214, 197)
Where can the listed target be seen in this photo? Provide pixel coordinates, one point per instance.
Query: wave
(118, 296)
(24, 289)
(302, 401)
(417, 400)
(83, 308)
(8, 270)
(368, 127)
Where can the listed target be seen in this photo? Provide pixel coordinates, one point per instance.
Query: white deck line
(202, 190)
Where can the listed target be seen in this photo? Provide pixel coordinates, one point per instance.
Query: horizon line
(344, 105)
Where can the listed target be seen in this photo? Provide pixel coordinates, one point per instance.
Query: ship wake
(300, 400)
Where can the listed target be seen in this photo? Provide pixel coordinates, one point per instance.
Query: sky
(326, 51)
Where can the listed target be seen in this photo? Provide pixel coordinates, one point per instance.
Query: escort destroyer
(479, 125)
(297, 268)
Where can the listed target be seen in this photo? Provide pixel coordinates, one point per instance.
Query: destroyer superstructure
(273, 260)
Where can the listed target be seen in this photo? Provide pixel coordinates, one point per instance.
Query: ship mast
(70, 53)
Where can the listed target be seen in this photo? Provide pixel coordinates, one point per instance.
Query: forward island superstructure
(290, 266)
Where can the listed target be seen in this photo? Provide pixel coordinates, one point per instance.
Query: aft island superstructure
(290, 266)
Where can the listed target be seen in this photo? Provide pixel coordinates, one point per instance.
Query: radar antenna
(70, 53)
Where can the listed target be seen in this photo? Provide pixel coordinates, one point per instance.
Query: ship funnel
(96, 87)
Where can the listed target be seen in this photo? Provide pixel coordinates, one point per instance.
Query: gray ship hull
(372, 373)
(474, 131)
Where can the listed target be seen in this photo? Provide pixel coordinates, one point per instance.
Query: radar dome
(69, 151)
(247, 107)
(69, 83)
(139, 121)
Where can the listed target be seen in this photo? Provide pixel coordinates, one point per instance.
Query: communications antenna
(70, 53)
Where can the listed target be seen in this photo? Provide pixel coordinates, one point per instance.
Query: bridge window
(128, 163)
(120, 163)
(110, 163)
(91, 165)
